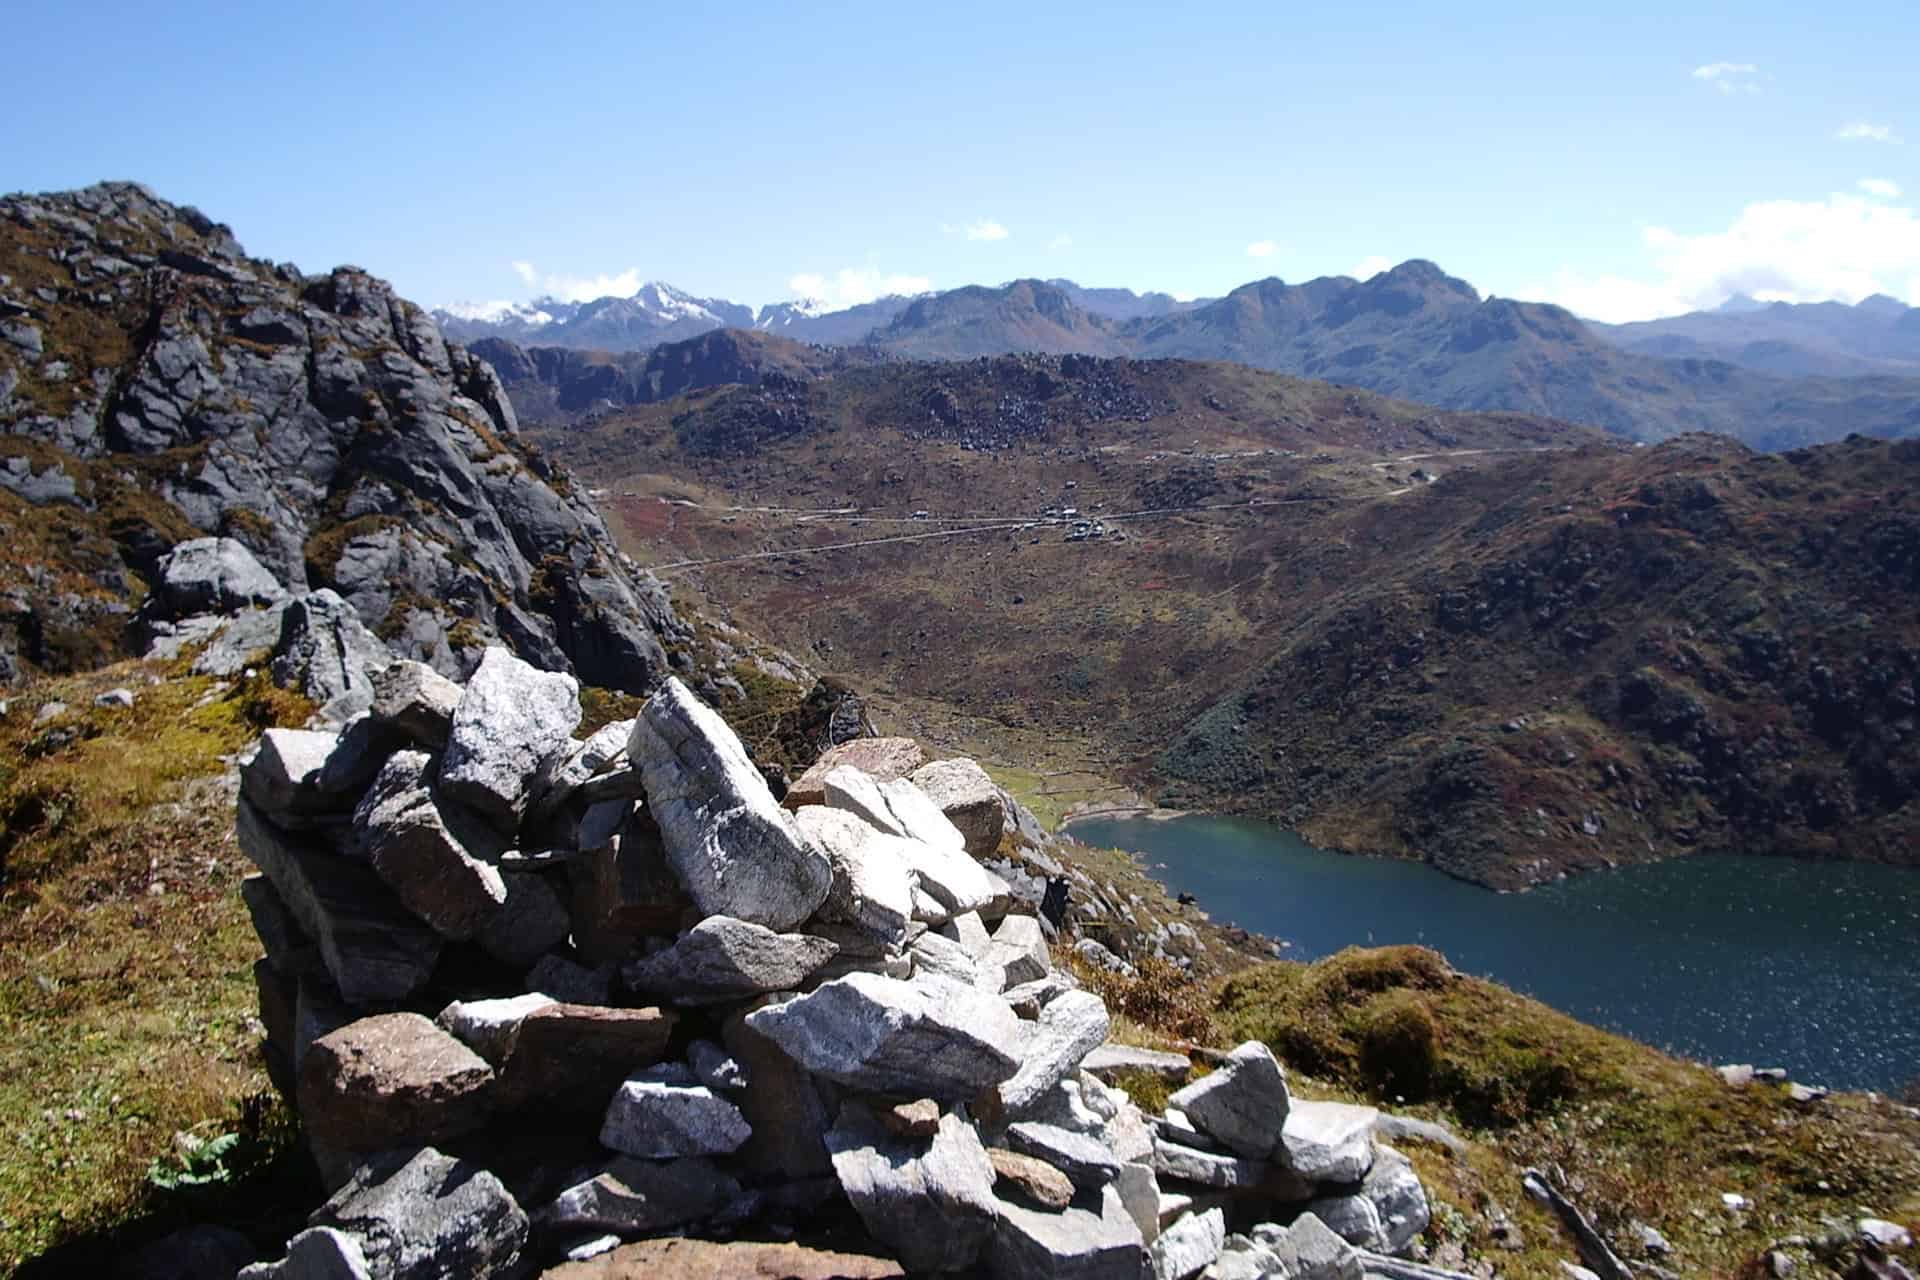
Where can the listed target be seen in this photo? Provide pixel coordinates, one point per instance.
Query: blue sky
(1647, 161)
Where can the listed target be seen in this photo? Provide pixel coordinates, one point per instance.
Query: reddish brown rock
(883, 758)
(391, 1080)
(1034, 1180)
(737, 1260)
(571, 1057)
(919, 1119)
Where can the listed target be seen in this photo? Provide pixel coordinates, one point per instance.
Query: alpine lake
(1811, 966)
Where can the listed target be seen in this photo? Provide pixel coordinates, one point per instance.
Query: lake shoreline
(1713, 957)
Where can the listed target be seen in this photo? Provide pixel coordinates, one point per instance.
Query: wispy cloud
(1730, 77)
(1262, 249)
(570, 288)
(1061, 241)
(1862, 131)
(1369, 267)
(1842, 248)
(851, 286)
(978, 229)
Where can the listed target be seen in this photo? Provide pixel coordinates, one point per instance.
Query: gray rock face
(930, 1201)
(284, 775)
(425, 850)
(1310, 1250)
(1078, 1244)
(214, 575)
(635, 1196)
(1329, 1141)
(420, 1215)
(374, 949)
(1395, 1190)
(487, 1026)
(872, 889)
(1086, 1161)
(510, 718)
(318, 1253)
(723, 959)
(737, 852)
(415, 700)
(1067, 1030)
(662, 1113)
(917, 1039)
(1189, 1246)
(1208, 1168)
(962, 791)
(1018, 951)
(327, 653)
(1243, 1104)
(531, 922)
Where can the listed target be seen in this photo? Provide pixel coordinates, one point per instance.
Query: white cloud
(851, 286)
(985, 229)
(1843, 248)
(566, 288)
(1369, 267)
(1880, 187)
(1261, 249)
(1061, 241)
(1729, 77)
(1861, 131)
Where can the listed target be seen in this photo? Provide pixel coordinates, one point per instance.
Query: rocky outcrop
(914, 1074)
(279, 433)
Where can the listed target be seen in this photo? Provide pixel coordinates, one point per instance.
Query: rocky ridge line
(156, 381)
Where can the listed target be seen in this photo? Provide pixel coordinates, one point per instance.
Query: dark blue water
(1811, 966)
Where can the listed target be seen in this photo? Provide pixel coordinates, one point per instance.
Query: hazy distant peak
(1739, 304)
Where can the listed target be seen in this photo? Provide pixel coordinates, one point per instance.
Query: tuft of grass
(126, 993)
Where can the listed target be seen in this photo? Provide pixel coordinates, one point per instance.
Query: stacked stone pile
(535, 996)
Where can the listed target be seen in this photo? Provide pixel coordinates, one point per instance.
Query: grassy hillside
(1397, 630)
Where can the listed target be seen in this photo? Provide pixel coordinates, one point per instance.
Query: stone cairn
(534, 997)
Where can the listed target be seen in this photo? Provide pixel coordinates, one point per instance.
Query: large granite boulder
(920, 1039)
(724, 959)
(419, 1215)
(970, 800)
(511, 717)
(1242, 1104)
(734, 848)
(929, 1200)
(213, 575)
(426, 850)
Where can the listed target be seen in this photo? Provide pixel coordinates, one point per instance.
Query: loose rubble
(716, 1012)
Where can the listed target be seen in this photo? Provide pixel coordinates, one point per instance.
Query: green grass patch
(126, 995)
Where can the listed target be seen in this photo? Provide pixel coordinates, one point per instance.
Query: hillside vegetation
(1397, 630)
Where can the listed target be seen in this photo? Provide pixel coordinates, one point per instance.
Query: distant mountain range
(1775, 375)
(1879, 335)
